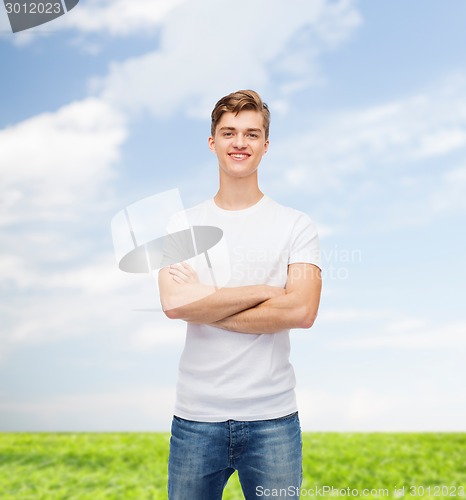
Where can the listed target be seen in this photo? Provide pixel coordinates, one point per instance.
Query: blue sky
(110, 104)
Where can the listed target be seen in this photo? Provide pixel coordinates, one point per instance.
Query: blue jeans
(266, 453)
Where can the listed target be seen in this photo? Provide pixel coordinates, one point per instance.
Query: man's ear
(266, 146)
(211, 143)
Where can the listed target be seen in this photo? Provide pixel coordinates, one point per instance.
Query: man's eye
(253, 135)
(227, 134)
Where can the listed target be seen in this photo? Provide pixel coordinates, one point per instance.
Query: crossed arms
(246, 309)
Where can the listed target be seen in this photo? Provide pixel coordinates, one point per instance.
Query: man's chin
(240, 175)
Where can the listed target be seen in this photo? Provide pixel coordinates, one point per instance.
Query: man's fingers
(187, 269)
(184, 272)
(182, 266)
(187, 266)
(176, 273)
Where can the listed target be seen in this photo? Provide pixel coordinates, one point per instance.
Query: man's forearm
(273, 315)
(224, 303)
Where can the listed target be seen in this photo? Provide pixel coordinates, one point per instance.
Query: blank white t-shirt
(231, 375)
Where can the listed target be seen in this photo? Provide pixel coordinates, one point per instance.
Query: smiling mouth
(239, 156)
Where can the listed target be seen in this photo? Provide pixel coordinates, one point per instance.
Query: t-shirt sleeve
(304, 246)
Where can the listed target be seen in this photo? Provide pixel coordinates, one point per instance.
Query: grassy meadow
(89, 466)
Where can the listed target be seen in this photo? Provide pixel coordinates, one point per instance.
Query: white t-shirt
(231, 375)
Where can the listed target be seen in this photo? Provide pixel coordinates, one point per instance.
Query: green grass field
(134, 466)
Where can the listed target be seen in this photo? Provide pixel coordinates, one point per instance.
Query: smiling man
(235, 403)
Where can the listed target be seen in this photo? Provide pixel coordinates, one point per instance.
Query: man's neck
(237, 195)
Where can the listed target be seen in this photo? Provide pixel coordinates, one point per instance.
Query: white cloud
(59, 277)
(205, 51)
(54, 179)
(376, 140)
(406, 325)
(48, 301)
(345, 315)
(119, 17)
(46, 306)
(449, 195)
(15, 272)
(100, 276)
(411, 333)
(53, 161)
(150, 337)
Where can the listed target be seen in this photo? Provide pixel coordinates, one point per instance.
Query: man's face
(239, 143)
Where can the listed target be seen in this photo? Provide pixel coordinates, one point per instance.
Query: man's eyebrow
(248, 129)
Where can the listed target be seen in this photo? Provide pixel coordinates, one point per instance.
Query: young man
(235, 405)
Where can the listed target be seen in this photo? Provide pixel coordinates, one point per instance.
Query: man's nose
(240, 141)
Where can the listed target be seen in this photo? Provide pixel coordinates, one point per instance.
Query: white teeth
(239, 156)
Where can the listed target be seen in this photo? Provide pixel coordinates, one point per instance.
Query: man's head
(242, 100)
(240, 129)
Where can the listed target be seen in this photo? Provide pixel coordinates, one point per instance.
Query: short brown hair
(241, 100)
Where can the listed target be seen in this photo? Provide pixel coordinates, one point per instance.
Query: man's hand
(183, 273)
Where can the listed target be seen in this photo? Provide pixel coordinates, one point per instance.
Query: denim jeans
(266, 453)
